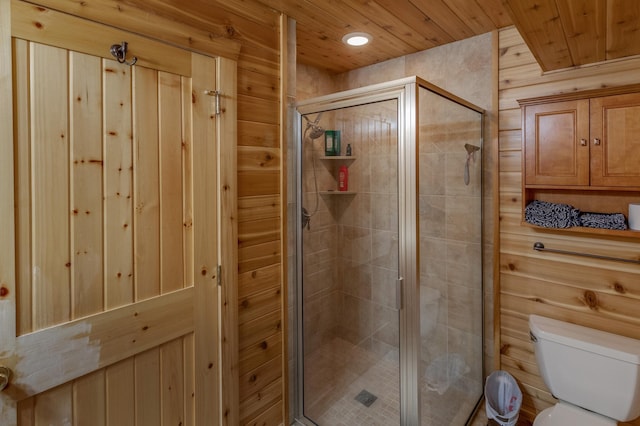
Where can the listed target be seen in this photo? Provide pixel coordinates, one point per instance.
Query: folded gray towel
(551, 215)
(603, 220)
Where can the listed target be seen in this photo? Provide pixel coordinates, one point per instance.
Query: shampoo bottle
(343, 179)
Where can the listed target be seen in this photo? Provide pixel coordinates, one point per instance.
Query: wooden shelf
(628, 233)
(338, 157)
(337, 193)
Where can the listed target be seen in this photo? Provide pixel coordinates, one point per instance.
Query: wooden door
(109, 296)
(556, 143)
(615, 145)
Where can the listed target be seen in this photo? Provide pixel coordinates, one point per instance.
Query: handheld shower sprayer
(471, 156)
(314, 131)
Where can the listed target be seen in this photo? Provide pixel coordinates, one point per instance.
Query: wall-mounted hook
(119, 51)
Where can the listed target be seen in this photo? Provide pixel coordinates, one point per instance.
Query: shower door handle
(399, 286)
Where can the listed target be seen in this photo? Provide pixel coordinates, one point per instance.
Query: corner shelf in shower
(337, 192)
(338, 157)
(343, 158)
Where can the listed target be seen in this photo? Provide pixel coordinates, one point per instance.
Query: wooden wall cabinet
(583, 149)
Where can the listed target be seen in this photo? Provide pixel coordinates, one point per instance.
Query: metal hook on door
(119, 51)
(5, 376)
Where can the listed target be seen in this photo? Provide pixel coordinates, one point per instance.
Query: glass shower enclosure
(388, 277)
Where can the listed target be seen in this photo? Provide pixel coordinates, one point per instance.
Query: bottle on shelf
(348, 150)
(343, 178)
(331, 142)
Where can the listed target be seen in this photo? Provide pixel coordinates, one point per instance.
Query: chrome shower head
(313, 126)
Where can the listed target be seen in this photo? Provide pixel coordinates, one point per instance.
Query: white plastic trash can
(503, 398)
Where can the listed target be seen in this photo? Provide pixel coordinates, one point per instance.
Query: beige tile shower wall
(321, 286)
(465, 69)
(368, 228)
(450, 242)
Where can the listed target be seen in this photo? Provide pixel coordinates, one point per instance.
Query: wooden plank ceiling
(568, 33)
(560, 33)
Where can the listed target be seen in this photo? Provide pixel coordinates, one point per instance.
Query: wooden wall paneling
(146, 154)
(258, 158)
(120, 393)
(254, 380)
(22, 155)
(205, 239)
(258, 304)
(148, 388)
(259, 84)
(256, 183)
(259, 231)
(118, 182)
(261, 110)
(86, 176)
(259, 402)
(598, 294)
(134, 19)
(260, 351)
(252, 282)
(510, 119)
(171, 182)
(257, 134)
(255, 331)
(89, 400)
(229, 191)
(259, 207)
(50, 209)
(271, 416)
(257, 57)
(61, 29)
(258, 256)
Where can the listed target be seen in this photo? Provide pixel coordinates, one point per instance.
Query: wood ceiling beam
(541, 27)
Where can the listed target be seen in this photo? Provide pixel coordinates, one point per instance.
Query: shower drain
(366, 398)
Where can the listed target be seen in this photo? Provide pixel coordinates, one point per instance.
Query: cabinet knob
(596, 141)
(583, 142)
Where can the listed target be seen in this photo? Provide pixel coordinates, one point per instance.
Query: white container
(634, 216)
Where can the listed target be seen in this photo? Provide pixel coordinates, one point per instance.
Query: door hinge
(216, 94)
(219, 275)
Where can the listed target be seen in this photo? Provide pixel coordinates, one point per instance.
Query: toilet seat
(563, 414)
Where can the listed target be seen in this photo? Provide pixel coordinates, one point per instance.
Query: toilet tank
(589, 368)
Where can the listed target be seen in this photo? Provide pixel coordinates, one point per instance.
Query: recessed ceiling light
(356, 39)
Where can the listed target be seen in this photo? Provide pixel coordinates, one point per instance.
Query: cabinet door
(615, 140)
(556, 143)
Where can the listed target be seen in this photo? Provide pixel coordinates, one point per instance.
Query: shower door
(350, 309)
(389, 295)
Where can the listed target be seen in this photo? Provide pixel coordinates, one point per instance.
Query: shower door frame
(406, 92)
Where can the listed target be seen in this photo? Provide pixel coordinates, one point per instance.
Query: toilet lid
(563, 414)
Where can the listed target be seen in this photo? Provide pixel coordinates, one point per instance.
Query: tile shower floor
(339, 371)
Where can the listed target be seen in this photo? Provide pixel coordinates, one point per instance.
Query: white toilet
(594, 375)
